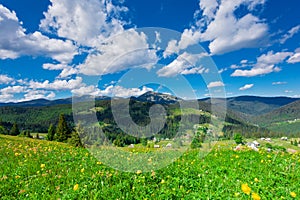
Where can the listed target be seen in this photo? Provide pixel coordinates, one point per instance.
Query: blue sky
(57, 48)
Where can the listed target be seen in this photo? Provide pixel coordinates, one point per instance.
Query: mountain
(247, 107)
(46, 102)
(285, 119)
(158, 98)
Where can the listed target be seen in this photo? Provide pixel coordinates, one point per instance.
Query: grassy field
(35, 169)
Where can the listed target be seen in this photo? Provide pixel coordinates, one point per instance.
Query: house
(268, 140)
(169, 145)
(284, 138)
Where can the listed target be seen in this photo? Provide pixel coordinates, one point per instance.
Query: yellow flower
(138, 172)
(75, 187)
(256, 180)
(162, 181)
(43, 165)
(293, 194)
(17, 176)
(82, 170)
(246, 189)
(255, 196)
(99, 163)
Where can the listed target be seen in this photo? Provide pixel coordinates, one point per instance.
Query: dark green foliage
(199, 137)
(37, 136)
(144, 141)
(63, 132)
(3, 130)
(238, 138)
(51, 133)
(14, 130)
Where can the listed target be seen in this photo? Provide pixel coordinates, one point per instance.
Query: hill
(285, 119)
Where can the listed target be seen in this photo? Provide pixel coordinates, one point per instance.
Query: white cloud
(185, 63)
(57, 84)
(246, 87)
(215, 84)
(114, 91)
(66, 69)
(38, 94)
(86, 22)
(220, 26)
(4, 79)
(288, 91)
(290, 34)
(279, 83)
(265, 64)
(295, 58)
(13, 89)
(120, 52)
(14, 42)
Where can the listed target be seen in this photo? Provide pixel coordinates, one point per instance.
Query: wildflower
(293, 194)
(82, 170)
(17, 176)
(246, 189)
(43, 165)
(75, 187)
(138, 172)
(255, 196)
(99, 163)
(256, 180)
(162, 181)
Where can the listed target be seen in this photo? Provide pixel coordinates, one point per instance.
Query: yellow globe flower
(293, 194)
(255, 196)
(138, 172)
(246, 189)
(43, 165)
(75, 187)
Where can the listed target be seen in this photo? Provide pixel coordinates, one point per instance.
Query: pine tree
(62, 131)
(51, 133)
(15, 130)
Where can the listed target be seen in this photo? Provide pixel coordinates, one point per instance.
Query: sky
(193, 49)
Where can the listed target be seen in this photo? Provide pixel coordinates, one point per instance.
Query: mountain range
(275, 113)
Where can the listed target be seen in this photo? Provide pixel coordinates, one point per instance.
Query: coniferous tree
(15, 130)
(51, 133)
(75, 139)
(62, 131)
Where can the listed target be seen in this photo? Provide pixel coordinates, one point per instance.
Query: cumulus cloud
(185, 63)
(295, 58)
(215, 84)
(5, 79)
(57, 84)
(246, 87)
(66, 69)
(111, 90)
(120, 52)
(225, 32)
(86, 22)
(14, 42)
(265, 64)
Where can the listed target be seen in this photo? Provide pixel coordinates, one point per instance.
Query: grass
(34, 169)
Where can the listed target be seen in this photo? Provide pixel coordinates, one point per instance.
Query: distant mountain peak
(157, 97)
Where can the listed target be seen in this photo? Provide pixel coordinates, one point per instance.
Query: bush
(238, 138)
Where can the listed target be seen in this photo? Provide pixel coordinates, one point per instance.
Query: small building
(169, 145)
(284, 138)
(268, 140)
